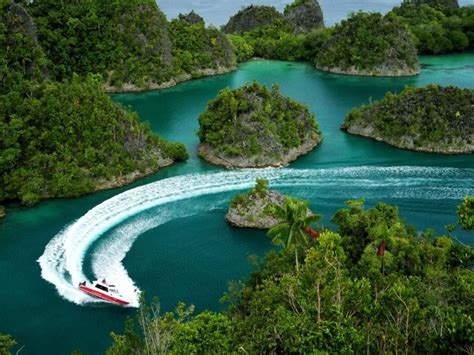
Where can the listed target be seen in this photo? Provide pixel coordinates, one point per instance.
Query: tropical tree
(296, 218)
(466, 213)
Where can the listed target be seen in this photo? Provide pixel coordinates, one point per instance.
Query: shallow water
(180, 247)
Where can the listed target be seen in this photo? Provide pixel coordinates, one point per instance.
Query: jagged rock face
(306, 15)
(191, 18)
(449, 3)
(252, 17)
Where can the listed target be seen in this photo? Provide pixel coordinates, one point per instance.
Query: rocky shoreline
(407, 143)
(2, 212)
(253, 209)
(253, 214)
(201, 73)
(120, 181)
(208, 153)
(378, 72)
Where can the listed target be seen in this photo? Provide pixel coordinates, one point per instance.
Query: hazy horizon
(218, 12)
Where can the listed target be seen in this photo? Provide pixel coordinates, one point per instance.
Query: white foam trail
(63, 258)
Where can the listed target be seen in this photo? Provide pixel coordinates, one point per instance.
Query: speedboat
(104, 291)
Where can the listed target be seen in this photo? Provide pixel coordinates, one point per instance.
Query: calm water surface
(185, 250)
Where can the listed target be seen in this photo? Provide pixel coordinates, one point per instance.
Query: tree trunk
(318, 295)
(296, 259)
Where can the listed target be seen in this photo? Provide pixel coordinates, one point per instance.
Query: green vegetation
(369, 44)
(433, 119)
(244, 199)
(61, 139)
(66, 138)
(296, 35)
(250, 18)
(437, 28)
(305, 15)
(254, 126)
(466, 213)
(127, 42)
(375, 285)
(6, 342)
(197, 48)
(295, 219)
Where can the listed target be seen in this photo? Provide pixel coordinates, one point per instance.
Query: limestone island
(369, 44)
(433, 119)
(253, 209)
(300, 16)
(254, 127)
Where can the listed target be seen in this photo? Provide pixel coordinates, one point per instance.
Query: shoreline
(370, 73)
(365, 132)
(201, 74)
(206, 153)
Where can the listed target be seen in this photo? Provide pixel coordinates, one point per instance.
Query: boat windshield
(101, 287)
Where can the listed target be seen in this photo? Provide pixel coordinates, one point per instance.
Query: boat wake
(120, 220)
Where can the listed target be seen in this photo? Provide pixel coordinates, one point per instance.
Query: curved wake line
(63, 258)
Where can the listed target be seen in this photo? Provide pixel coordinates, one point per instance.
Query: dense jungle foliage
(434, 118)
(437, 28)
(366, 42)
(261, 31)
(125, 41)
(62, 138)
(374, 285)
(466, 213)
(254, 121)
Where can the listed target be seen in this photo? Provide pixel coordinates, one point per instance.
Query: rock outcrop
(305, 15)
(2, 212)
(252, 17)
(253, 209)
(432, 119)
(253, 127)
(369, 44)
(192, 18)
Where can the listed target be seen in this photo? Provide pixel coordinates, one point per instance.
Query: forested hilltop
(431, 119)
(63, 137)
(253, 127)
(369, 44)
(434, 26)
(372, 285)
(130, 43)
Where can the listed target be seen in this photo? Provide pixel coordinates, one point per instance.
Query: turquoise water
(180, 248)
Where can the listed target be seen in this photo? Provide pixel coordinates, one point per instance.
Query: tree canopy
(375, 285)
(433, 119)
(256, 125)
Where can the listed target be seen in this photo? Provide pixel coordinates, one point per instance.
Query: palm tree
(295, 219)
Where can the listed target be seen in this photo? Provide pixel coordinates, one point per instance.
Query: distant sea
(217, 12)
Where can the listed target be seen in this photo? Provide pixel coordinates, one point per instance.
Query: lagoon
(180, 247)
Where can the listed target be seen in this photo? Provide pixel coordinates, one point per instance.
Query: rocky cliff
(306, 15)
(253, 209)
(252, 17)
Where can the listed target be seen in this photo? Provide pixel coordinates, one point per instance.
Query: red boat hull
(101, 295)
